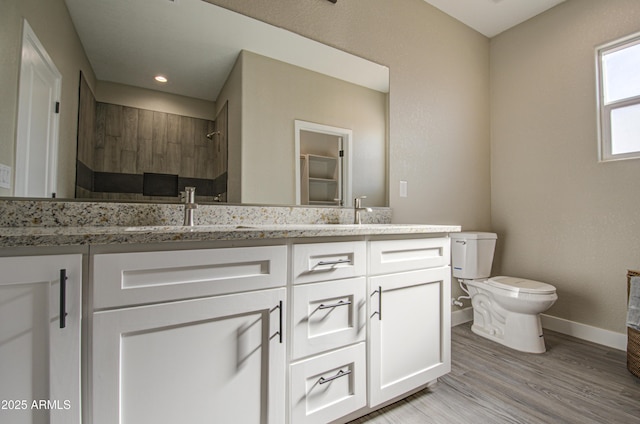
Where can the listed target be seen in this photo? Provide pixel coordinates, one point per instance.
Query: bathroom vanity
(231, 323)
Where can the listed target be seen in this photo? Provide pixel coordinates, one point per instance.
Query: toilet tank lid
(473, 235)
(521, 285)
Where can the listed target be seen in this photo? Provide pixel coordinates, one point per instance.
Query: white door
(37, 133)
(39, 351)
(211, 360)
(409, 331)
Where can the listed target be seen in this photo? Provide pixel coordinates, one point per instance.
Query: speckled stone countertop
(35, 223)
(69, 236)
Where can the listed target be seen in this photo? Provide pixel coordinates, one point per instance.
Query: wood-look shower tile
(174, 158)
(188, 150)
(98, 159)
(113, 120)
(187, 166)
(200, 132)
(159, 133)
(145, 124)
(173, 128)
(112, 149)
(186, 132)
(144, 157)
(128, 162)
(159, 164)
(130, 128)
(101, 116)
(202, 162)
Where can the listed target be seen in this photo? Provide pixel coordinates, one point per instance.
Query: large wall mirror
(225, 119)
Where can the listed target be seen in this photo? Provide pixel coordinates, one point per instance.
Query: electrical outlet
(5, 176)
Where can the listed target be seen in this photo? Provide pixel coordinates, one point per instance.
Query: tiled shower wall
(118, 144)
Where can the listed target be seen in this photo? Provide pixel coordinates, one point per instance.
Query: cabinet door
(217, 359)
(410, 331)
(39, 351)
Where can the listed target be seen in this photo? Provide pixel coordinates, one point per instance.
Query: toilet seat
(521, 285)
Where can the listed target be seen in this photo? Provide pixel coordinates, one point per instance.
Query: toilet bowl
(505, 309)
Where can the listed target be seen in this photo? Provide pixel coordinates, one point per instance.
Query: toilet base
(522, 332)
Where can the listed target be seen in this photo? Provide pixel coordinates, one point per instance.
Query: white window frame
(605, 109)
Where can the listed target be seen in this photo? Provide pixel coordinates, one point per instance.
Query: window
(619, 99)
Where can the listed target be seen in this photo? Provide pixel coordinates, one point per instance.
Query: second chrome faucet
(358, 209)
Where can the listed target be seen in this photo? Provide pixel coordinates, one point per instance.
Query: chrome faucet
(358, 209)
(190, 205)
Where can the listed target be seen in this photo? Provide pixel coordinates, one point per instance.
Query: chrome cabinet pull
(379, 312)
(336, 262)
(340, 373)
(334, 305)
(63, 298)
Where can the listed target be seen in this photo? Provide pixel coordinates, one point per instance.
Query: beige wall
(561, 216)
(438, 102)
(268, 136)
(439, 99)
(51, 23)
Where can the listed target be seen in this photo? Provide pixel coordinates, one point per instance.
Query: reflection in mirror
(128, 153)
(325, 170)
(267, 78)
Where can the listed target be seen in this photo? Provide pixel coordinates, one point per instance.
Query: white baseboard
(571, 328)
(585, 332)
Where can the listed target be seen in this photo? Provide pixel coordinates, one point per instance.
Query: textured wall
(439, 96)
(268, 138)
(561, 216)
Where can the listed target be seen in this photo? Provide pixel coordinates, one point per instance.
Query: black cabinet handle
(63, 298)
(281, 317)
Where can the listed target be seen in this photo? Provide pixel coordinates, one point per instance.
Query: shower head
(211, 134)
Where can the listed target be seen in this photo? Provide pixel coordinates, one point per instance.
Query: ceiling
(195, 44)
(491, 17)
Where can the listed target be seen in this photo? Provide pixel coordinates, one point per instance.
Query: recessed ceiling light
(161, 78)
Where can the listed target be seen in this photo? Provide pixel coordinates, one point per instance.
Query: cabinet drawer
(388, 256)
(328, 315)
(328, 261)
(329, 386)
(121, 279)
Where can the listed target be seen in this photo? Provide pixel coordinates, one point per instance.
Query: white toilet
(505, 309)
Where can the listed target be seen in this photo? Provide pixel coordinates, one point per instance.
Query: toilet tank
(472, 254)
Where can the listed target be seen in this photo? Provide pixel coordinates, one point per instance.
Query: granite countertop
(94, 235)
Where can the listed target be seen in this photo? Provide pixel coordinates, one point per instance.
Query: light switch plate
(403, 189)
(5, 176)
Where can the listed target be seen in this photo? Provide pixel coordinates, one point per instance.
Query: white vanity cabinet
(306, 331)
(40, 309)
(328, 330)
(189, 336)
(409, 315)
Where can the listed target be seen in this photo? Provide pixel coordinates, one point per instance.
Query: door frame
(31, 46)
(347, 139)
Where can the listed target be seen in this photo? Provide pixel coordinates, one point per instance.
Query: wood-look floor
(573, 382)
